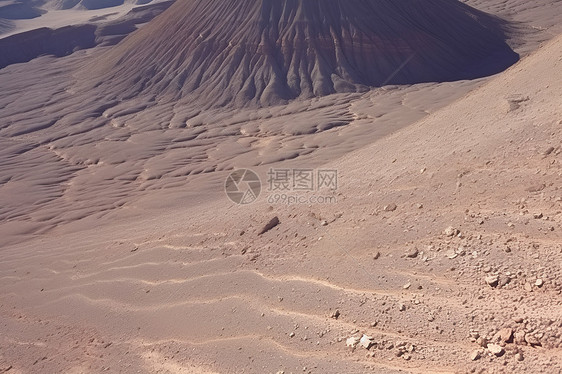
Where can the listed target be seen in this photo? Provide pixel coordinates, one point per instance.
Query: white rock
(492, 280)
(475, 355)
(451, 254)
(390, 207)
(352, 341)
(450, 231)
(495, 349)
(366, 341)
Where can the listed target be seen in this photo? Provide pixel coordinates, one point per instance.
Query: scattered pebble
(412, 253)
(482, 341)
(451, 254)
(548, 151)
(496, 349)
(390, 207)
(492, 280)
(352, 341)
(366, 341)
(475, 355)
(451, 231)
(271, 224)
(504, 335)
(519, 337)
(532, 340)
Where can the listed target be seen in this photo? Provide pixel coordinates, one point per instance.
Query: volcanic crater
(267, 52)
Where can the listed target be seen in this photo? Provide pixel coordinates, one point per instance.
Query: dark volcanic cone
(269, 51)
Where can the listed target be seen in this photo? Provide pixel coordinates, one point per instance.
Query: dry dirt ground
(442, 248)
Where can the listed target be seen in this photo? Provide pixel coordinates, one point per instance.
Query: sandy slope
(74, 152)
(198, 291)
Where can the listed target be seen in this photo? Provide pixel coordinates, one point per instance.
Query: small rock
(271, 224)
(504, 335)
(376, 255)
(352, 341)
(291, 335)
(518, 319)
(492, 280)
(503, 280)
(536, 188)
(482, 341)
(496, 349)
(451, 254)
(390, 207)
(539, 282)
(451, 231)
(407, 285)
(532, 340)
(548, 151)
(527, 287)
(519, 356)
(335, 314)
(401, 307)
(475, 355)
(537, 215)
(519, 337)
(366, 341)
(324, 223)
(412, 253)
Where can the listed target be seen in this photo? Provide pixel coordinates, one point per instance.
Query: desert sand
(440, 247)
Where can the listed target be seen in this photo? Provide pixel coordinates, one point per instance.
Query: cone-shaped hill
(265, 52)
